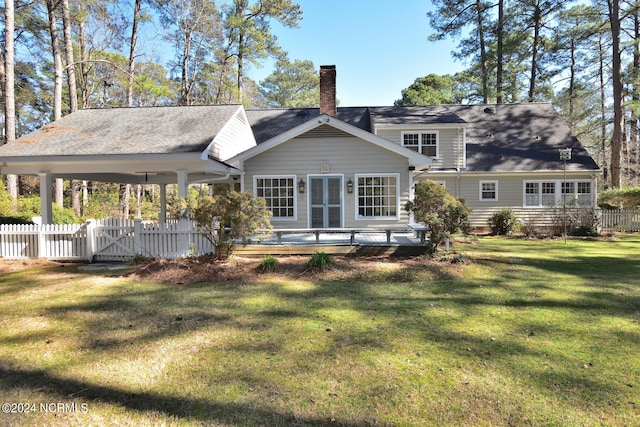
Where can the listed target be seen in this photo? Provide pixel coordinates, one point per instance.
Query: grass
(526, 333)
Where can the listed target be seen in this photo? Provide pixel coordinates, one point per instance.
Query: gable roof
(325, 124)
(122, 131)
(499, 138)
(269, 123)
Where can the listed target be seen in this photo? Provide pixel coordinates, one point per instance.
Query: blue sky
(379, 47)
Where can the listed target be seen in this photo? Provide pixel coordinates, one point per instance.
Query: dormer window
(422, 142)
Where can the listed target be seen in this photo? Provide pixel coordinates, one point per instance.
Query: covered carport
(153, 145)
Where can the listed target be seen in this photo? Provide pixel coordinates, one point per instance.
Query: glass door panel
(326, 202)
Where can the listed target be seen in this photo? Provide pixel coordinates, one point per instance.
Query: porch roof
(111, 131)
(128, 145)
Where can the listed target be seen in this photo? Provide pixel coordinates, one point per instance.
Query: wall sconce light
(301, 185)
(349, 186)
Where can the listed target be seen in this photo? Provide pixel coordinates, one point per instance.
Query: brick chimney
(328, 90)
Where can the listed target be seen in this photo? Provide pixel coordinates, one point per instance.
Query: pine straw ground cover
(520, 333)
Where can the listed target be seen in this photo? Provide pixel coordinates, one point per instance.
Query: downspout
(411, 191)
(462, 158)
(242, 176)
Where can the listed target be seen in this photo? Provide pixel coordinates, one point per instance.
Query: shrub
(28, 207)
(620, 198)
(528, 226)
(439, 211)
(138, 259)
(15, 219)
(503, 222)
(63, 215)
(225, 218)
(269, 263)
(320, 261)
(579, 221)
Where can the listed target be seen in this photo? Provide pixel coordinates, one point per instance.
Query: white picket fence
(111, 239)
(620, 220)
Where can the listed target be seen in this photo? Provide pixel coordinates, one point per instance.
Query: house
(352, 167)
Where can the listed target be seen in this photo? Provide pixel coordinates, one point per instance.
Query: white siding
(345, 157)
(234, 138)
(510, 195)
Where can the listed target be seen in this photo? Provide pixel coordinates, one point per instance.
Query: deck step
(352, 250)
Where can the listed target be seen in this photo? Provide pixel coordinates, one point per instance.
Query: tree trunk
(240, 65)
(125, 199)
(9, 88)
(139, 200)
(499, 53)
(57, 88)
(184, 88)
(537, 16)
(572, 86)
(73, 96)
(603, 114)
(84, 67)
(635, 97)
(483, 53)
(57, 61)
(618, 101)
(68, 50)
(132, 52)
(132, 67)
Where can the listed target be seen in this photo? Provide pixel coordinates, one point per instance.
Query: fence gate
(114, 239)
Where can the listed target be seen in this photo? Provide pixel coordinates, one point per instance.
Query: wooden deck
(334, 243)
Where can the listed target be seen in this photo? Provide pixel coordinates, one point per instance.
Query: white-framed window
(424, 142)
(532, 194)
(583, 193)
(568, 191)
(555, 193)
(548, 193)
(377, 196)
(489, 190)
(280, 194)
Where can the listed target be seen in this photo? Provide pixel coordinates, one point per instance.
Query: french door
(325, 201)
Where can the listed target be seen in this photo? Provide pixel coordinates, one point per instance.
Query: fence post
(137, 237)
(91, 238)
(42, 244)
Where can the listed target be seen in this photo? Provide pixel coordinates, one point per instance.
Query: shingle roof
(270, 123)
(150, 130)
(505, 137)
(519, 137)
(431, 115)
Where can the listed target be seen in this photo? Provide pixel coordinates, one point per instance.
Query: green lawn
(526, 333)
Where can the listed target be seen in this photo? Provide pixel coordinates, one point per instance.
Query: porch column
(46, 211)
(183, 184)
(162, 218)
